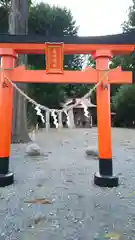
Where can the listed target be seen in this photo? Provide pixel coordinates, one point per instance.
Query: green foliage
(48, 94)
(91, 62)
(51, 95)
(123, 104)
(130, 23)
(43, 20)
(123, 100)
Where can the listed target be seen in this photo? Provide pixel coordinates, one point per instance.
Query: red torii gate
(101, 48)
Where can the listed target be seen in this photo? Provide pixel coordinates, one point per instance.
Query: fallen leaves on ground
(112, 236)
(39, 201)
(132, 194)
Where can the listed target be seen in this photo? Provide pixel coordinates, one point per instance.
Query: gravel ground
(64, 176)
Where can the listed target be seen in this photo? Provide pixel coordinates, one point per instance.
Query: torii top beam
(118, 44)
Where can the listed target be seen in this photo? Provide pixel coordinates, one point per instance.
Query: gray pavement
(79, 210)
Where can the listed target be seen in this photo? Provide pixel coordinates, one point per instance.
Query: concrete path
(64, 176)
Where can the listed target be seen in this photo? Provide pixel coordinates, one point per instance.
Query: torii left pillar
(6, 96)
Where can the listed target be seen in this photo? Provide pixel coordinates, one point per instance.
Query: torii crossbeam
(101, 48)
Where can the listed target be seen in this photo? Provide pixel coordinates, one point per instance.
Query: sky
(96, 17)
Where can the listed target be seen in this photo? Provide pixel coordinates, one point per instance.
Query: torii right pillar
(105, 177)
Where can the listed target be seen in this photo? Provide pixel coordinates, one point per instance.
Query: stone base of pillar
(6, 179)
(105, 181)
(105, 177)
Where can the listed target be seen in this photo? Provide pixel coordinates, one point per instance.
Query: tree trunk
(18, 24)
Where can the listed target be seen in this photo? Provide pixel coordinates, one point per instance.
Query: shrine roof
(71, 101)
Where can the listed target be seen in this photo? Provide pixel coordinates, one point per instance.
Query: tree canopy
(123, 99)
(124, 104)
